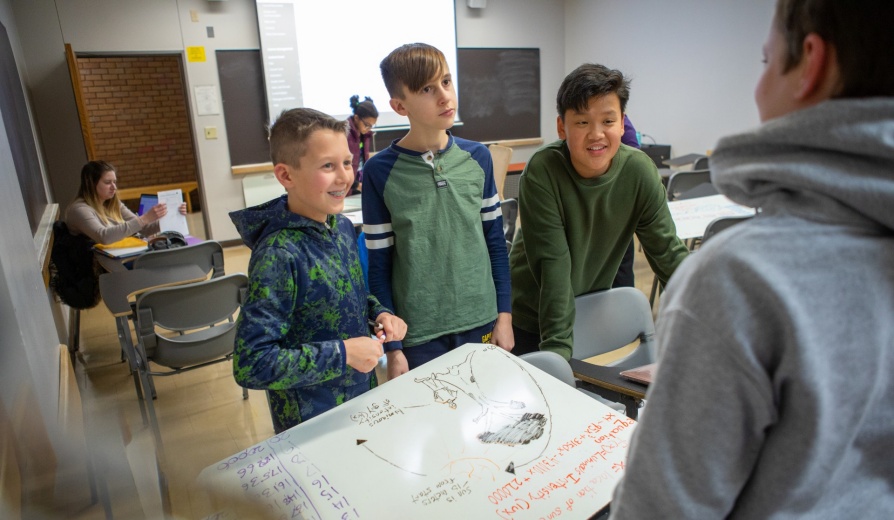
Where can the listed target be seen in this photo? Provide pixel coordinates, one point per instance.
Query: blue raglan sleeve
(379, 233)
(492, 224)
(263, 357)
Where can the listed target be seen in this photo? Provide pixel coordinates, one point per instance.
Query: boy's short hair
(860, 32)
(292, 128)
(411, 66)
(588, 81)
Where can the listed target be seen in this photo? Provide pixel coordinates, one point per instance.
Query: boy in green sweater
(581, 199)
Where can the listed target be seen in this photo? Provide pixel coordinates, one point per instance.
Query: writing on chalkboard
(499, 93)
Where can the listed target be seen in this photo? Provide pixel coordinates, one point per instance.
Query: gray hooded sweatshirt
(774, 396)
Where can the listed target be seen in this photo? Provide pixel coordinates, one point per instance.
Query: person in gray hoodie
(775, 382)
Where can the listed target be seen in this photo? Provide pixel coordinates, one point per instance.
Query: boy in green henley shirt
(582, 199)
(433, 223)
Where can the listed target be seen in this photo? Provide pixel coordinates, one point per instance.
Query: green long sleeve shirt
(574, 234)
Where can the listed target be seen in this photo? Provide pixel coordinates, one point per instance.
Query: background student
(773, 393)
(582, 199)
(99, 214)
(303, 333)
(433, 222)
(364, 115)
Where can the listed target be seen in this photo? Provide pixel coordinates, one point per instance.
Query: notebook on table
(641, 374)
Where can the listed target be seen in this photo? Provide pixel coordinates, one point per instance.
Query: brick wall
(138, 117)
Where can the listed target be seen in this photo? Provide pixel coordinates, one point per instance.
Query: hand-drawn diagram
(475, 433)
(497, 425)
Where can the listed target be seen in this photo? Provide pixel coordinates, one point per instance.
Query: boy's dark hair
(588, 81)
(412, 66)
(291, 130)
(860, 31)
(364, 108)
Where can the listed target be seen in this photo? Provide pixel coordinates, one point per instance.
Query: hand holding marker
(377, 329)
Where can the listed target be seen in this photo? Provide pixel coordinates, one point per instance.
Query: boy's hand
(397, 364)
(503, 336)
(395, 328)
(363, 353)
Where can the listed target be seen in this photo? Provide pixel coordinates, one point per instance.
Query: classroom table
(474, 433)
(117, 288)
(607, 382)
(353, 209)
(692, 216)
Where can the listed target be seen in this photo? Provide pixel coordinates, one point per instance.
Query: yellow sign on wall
(195, 54)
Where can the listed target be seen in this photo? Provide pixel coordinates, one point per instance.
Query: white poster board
(476, 433)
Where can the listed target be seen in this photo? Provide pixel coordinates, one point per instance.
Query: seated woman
(360, 124)
(99, 214)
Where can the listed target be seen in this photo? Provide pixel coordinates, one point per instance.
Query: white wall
(694, 63)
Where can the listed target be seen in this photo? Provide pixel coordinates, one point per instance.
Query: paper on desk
(173, 220)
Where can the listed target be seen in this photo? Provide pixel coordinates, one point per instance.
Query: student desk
(607, 382)
(353, 210)
(692, 216)
(117, 288)
(475, 433)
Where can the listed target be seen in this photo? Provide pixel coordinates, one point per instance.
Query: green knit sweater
(574, 234)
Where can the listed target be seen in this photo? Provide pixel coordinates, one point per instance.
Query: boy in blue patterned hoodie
(303, 333)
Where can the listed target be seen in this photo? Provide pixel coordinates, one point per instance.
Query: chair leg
(152, 391)
(74, 329)
(244, 393)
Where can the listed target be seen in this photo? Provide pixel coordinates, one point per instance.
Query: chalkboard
(475, 433)
(241, 78)
(14, 109)
(499, 93)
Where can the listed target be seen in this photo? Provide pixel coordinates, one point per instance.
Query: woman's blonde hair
(109, 211)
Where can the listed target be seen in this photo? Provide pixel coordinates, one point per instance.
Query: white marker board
(476, 433)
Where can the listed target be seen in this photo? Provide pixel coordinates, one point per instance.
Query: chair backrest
(608, 320)
(700, 164)
(551, 363)
(719, 224)
(203, 312)
(684, 181)
(510, 217)
(501, 156)
(208, 255)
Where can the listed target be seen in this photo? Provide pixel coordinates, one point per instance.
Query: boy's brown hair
(292, 128)
(411, 66)
(860, 31)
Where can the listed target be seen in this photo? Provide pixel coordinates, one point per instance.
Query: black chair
(719, 224)
(681, 184)
(701, 163)
(74, 277)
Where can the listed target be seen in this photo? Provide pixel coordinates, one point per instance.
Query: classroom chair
(719, 224)
(501, 156)
(682, 182)
(556, 366)
(186, 327)
(510, 217)
(606, 321)
(701, 163)
(208, 255)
